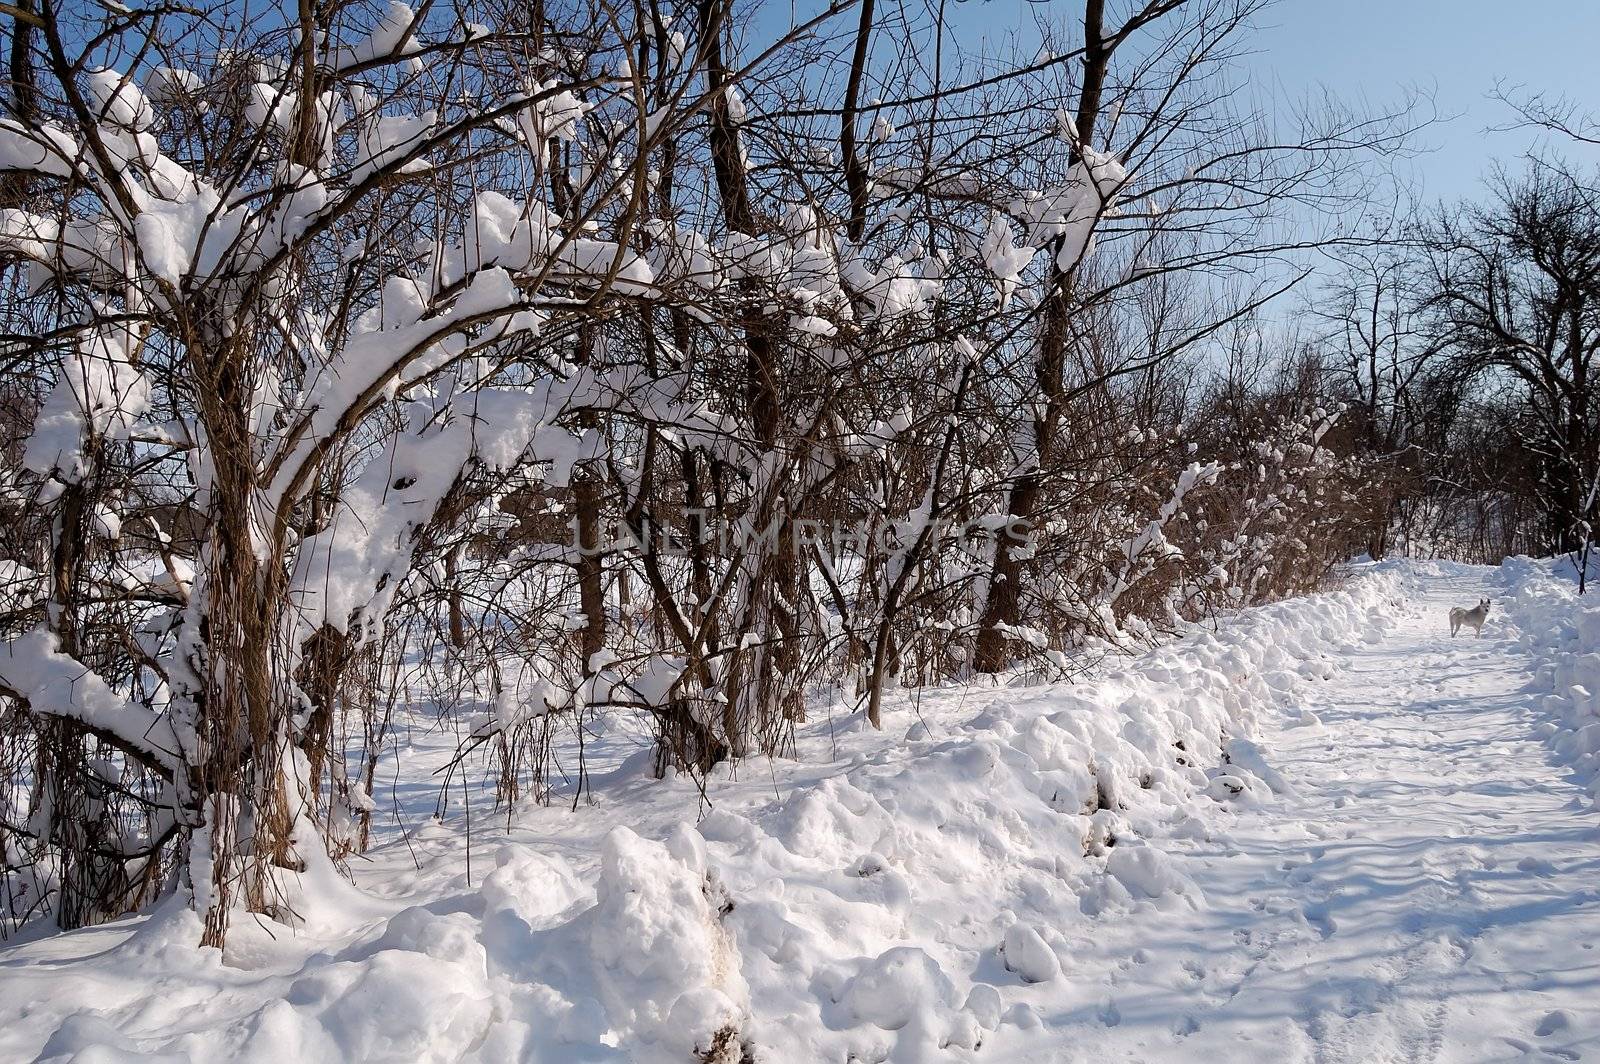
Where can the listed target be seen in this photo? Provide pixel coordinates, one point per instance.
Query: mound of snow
(666, 968)
(901, 985)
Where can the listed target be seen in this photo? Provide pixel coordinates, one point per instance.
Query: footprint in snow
(1414, 923)
(1534, 1053)
(1537, 865)
(1554, 1022)
(1318, 917)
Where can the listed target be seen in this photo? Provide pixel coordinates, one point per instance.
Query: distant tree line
(1467, 348)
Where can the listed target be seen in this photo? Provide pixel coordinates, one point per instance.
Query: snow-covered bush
(555, 365)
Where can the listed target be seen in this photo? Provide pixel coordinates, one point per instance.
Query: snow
(1003, 257)
(33, 667)
(170, 233)
(270, 106)
(1070, 212)
(347, 572)
(1029, 955)
(1380, 912)
(43, 148)
(392, 35)
(552, 111)
(900, 987)
(1561, 633)
(118, 101)
(170, 85)
(1325, 831)
(386, 139)
(100, 395)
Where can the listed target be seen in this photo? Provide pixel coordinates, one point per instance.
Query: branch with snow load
(1149, 547)
(346, 574)
(35, 673)
(186, 233)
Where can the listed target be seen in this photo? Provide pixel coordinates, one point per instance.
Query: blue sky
(1456, 49)
(1376, 49)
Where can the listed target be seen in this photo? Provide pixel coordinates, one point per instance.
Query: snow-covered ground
(1429, 892)
(1328, 832)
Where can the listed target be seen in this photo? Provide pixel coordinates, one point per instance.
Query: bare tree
(1513, 290)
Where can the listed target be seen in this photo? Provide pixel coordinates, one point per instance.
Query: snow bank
(893, 896)
(1560, 630)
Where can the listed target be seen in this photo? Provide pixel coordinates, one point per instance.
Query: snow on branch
(34, 671)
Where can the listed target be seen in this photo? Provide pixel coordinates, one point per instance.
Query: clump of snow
(100, 396)
(552, 111)
(1069, 212)
(999, 251)
(391, 35)
(33, 668)
(667, 966)
(404, 1002)
(1029, 955)
(118, 101)
(346, 573)
(1145, 871)
(534, 887)
(43, 148)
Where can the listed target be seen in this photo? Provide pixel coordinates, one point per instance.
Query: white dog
(1472, 618)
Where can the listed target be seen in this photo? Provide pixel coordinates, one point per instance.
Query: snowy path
(1431, 892)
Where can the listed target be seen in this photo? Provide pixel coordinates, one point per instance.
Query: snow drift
(887, 897)
(1560, 631)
